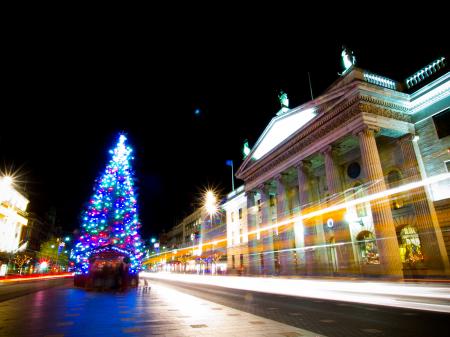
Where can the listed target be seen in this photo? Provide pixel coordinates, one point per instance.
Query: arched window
(394, 177)
(410, 248)
(368, 248)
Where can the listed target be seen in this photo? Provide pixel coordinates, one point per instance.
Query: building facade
(235, 208)
(354, 182)
(13, 217)
(196, 245)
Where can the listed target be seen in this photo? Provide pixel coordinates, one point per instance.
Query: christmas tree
(111, 217)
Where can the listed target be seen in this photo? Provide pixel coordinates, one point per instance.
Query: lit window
(272, 200)
(368, 248)
(410, 248)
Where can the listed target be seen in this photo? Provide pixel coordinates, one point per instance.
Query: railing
(425, 72)
(380, 80)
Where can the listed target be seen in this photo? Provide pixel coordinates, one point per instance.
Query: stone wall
(443, 213)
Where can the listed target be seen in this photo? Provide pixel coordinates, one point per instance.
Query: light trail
(402, 295)
(43, 277)
(333, 208)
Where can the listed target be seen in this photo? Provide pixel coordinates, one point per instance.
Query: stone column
(285, 239)
(304, 228)
(431, 240)
(303, 188)
(343, 234)
(281, 198)
(385, 233)
(265, 244)
(332, 172)
(253, 256)
(263, 191)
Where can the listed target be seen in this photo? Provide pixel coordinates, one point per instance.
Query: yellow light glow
(210, 202)
(337, 207)
(7, 181)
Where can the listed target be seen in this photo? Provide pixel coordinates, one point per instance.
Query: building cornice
(339, 115)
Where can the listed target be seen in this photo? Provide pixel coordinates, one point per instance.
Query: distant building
(235, 208)
(196, 244)
(36, 232)
(13, 217)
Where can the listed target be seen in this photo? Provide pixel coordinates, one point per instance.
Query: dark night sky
(68, 92)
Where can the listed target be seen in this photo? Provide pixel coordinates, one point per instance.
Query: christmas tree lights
(111, 217)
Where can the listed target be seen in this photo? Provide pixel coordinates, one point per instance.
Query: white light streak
(403, 295)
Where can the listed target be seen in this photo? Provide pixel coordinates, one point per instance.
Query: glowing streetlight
(210, 203)
(7, 181)
(211, 208)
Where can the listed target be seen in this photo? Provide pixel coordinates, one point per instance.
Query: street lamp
(210, 207)
(7, 181)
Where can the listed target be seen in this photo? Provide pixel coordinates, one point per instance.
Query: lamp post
(211, 207)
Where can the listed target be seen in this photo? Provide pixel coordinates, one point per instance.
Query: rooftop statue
(284, 101)
(348, 59)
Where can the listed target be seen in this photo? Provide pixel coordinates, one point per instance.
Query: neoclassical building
(354, 182)
(13, 217)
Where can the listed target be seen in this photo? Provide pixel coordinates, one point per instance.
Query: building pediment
(284, 126)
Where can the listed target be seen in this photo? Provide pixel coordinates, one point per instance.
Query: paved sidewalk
(162, 311)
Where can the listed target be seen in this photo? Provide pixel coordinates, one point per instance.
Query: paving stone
(163, 311)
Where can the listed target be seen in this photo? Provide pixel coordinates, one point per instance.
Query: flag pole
(232, 176)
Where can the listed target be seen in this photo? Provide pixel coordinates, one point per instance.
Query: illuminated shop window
(272, 200)
(368, 248)
(410, 249)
